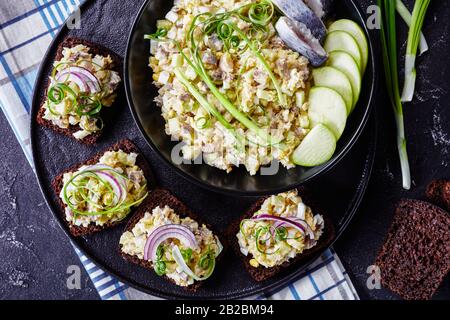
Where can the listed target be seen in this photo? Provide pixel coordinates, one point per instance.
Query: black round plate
(141, 93)
(108, 22)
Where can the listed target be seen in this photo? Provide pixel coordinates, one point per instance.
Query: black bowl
(141, 93)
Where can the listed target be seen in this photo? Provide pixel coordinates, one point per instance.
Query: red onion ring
(87, 78)
(298, 224)
(165, 232)
(75, 78)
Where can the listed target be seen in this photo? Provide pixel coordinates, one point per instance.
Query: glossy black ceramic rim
(325, 168)
(353, 206)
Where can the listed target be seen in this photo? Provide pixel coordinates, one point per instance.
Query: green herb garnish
(88, 106)
(57, 93)
(160, 268)
(187, 254)
(159, 252)
(161, 33)
(281, 234)
(207, 260)
(260, 232)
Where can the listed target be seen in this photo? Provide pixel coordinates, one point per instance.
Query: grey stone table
(35, 254)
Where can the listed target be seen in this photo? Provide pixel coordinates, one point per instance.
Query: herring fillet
(297, 10)
(297, 36)
(320, 7)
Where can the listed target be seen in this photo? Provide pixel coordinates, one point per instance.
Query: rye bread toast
(415, 257)
(57, 185)
(161, 197)
(106, 113)
(262, 273)
(438, 193)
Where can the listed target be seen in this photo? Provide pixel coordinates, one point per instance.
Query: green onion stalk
(205, 104)
(407, 17)
(389, 46)
(417, 20)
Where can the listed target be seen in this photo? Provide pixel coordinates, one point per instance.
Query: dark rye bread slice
(415, 257)
(438, 192)
(57, 185)
(161, 197)
(95, 49)
(262, 273)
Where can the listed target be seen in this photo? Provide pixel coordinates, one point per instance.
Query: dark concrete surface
(35, 253)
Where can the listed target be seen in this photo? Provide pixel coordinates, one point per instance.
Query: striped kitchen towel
(26, 30)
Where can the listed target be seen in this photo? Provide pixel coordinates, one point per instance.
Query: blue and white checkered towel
(26, 30)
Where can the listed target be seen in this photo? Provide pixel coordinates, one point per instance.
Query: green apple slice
(346, 64)
(316, 149)
(327, 107)
(357, 32)
(343, 41)
(332, 78)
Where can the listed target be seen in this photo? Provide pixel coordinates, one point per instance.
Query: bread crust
(125, 145)
(438, 193)
(161, 197)
(95, 49)
(262, 273)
